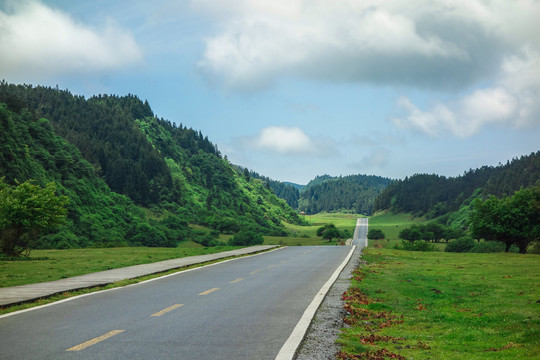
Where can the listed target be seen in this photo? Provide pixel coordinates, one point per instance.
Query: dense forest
(325, 193)
(132, 178)
(450, 198)
(345, 193)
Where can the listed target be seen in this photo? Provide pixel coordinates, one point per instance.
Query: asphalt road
(360, 232)
(242, 309)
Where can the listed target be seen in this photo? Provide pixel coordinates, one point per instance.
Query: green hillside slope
(127, 172)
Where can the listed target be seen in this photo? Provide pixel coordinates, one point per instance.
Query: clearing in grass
(435, 305)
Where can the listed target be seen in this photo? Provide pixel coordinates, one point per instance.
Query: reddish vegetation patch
(372, 322)
(507, 346)
(371, 319)
(356, 296)
(373, 338)
(381, 354)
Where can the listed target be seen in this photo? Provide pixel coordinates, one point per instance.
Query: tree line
(434, 195)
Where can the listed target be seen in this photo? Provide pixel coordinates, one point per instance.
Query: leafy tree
(26, 211)
(375, 234)
(511, 220)
(346, 234)
(412, 233)
(331, 233)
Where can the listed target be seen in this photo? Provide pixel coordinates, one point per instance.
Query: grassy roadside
(434, 305)
(49, 265)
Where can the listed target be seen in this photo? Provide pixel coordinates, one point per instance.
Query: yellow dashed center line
(94, 341)
(270, 266)
(237, 280)
(209, 291)
(254, 272)
(166, 310)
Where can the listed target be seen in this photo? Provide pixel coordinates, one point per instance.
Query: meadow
(436, 305)
(48, 265)
(392, 224)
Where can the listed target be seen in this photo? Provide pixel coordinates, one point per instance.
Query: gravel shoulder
(320, 340)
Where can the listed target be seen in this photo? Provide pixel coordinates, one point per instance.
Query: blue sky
(293, 89)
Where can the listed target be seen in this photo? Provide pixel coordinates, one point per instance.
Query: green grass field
(392, 224)
(436, 305)
(48, 265)
(306, 235)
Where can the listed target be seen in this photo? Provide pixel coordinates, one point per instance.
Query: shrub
(375, 234)
(488, 247)
(150, 236)
(415, 246)
(461, 245)
(207, 239)
(246, 238)
(534, 248)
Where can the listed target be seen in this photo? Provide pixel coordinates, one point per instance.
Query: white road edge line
(139, 283)
(291, 345)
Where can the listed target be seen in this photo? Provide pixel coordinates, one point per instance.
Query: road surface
(360, 232)
(242, 309)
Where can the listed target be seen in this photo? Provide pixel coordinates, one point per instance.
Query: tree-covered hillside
(350, 193)
(286, 191)
(115, 161)
(435, 195)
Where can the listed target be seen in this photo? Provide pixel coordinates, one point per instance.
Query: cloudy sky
(293, 89)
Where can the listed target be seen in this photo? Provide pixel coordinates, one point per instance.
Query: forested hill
(287, 191)
(350, 193)
(110, 154)
(435, 195)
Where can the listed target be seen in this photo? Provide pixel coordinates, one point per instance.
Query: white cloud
(285, 140)
(36, 40)
(432, 44)
(513, 101)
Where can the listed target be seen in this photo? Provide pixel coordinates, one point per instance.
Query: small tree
(375, 234)
(331, 233)
(26, 211)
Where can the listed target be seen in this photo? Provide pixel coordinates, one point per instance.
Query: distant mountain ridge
(434, 195)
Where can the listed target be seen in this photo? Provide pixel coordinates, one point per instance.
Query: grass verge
(49, 265)
(405, 305)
